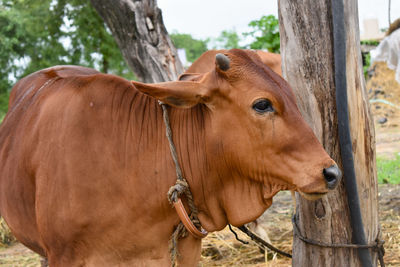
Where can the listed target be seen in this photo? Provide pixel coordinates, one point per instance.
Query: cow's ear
(182, 94)
(190, 77)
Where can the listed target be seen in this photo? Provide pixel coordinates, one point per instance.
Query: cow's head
(257, 138)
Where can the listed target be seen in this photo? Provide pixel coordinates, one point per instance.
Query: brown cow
(85, 165)
(206, 61)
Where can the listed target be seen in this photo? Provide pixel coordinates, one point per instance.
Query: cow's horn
(222, 61)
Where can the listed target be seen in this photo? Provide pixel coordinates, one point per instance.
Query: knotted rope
(181, 187)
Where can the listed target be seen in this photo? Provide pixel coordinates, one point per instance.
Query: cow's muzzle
(332, 176)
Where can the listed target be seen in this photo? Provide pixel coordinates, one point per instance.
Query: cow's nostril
(332, 176)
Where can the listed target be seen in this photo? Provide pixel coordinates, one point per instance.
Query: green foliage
(36, 34)
(366, 57)
(228, 39)
(3, 103)
(12, 33)
(89, 35)
(366, 65)
(388, 170)
(193, 47)
(369, 42)
(266, 34)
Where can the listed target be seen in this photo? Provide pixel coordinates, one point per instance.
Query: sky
(208, 18)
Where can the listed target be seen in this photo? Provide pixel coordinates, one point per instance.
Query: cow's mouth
(313, 196)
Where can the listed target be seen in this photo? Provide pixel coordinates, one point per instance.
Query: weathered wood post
(138, 28)
(307, 58)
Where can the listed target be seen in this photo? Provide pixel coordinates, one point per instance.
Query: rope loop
(182, 187)
(175, 191)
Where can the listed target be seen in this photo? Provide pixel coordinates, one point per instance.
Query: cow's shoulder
(53, 91)
(59, 80)
(64, 71)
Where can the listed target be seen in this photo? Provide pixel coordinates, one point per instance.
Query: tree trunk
(138, 28)
(307, 58)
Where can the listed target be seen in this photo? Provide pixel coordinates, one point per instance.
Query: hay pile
(391, 229)
(389, 218)
(222, 249)
(6, 237)
(384, 96)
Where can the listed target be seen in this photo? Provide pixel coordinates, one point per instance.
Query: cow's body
(85, 166)
(96, 178)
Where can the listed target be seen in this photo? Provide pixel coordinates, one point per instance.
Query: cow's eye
(263, 105)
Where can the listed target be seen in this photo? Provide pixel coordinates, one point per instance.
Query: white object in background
(389, 51)
(371, 30)
(183, 58)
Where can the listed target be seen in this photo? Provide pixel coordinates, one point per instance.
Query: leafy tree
(193, 47)
(228, 39)
(36, 34)
(89, 36)
(12, 34)
(266, 34)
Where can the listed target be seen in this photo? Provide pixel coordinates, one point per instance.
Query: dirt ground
(221, 248)
(384, 95)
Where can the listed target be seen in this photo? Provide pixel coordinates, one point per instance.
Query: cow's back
(274, 61)
(33, 82)
(206, 62)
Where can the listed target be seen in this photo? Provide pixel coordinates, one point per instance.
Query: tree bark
(307, 59)
(138, 28)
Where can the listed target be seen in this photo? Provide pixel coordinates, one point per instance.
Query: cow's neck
(221, 194)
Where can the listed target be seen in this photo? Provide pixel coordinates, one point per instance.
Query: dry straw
(6, 237)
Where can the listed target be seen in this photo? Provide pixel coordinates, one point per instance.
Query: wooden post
(138, 28)
(307, 58)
